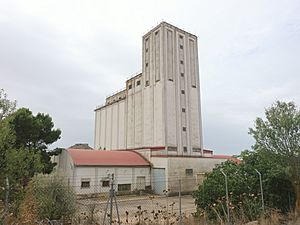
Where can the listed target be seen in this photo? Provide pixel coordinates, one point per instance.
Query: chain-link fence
(112, 201)
(133, 203)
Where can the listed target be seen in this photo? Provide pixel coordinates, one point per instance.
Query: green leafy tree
(24, 141)
(33, 132)
(279, 134)
(244, 188)
(275, 154)
(6, 106)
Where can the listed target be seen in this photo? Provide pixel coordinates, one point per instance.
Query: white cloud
(63, 57)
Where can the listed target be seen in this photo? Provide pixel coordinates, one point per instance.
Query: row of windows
(137, 84)
(86, 183)
(175, 148)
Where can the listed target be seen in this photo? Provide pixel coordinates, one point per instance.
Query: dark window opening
(170, 148)
(129, 86)
(184, 128)
(147, 83)
(105, 183)
(124, 187)
(180, 36)
(183, 109)
(182, 92)
(189, 172)
(146, 49)
(85, 184)
(182, 74)
(181, 46)
(194, 86)
(185, 149)
(181, 61)
(138, 83)
(146, 64)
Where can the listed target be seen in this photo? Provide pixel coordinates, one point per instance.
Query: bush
(48, 197)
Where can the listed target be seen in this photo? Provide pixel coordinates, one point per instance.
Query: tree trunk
(297, 205)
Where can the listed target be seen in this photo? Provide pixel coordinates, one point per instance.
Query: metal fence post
(227, 197)
(111, 198)
(180, 213)
(261, 191)
(6, 195)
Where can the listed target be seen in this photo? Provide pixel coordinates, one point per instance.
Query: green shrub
(49, 197)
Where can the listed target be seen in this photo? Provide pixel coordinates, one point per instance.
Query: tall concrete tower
(172, 109)
(160, 108)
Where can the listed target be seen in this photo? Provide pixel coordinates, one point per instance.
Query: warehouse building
(89, 171)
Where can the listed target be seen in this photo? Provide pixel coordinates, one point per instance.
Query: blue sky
(64, 58)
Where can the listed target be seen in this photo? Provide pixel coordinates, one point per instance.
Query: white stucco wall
(122, 175)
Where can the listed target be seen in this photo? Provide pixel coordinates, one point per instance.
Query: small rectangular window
(181, 61)
(182, 92)
(180, 36)
(138, 83)
(124, 187)
(183, 109)
(189, 172)
(185, 149)
(181, 46)
(146, 64)
(105, 183)
(147, 83)
(146, 49)
(129, 86)
(182, 74)
(85, 183)
(184, 128)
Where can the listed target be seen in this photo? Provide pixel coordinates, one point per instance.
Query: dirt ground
(133, 207)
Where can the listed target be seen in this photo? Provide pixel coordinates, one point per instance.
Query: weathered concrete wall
(177, 168)
(161, 106)
(110, 124)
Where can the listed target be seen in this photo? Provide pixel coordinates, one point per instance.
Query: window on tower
(189, 172)
(183, 128)
(182, 92)
(129, 86)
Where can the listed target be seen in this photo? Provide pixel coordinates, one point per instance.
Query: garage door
(159, 180)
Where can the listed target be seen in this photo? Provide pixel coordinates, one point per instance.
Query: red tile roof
(231, 158)
(83, 157)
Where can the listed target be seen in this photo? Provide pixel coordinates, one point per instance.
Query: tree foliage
(244, 188)
(6, 106)
(48, 197)
(22, 131)
(279, 134)
(275, 154)
(24, 141)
